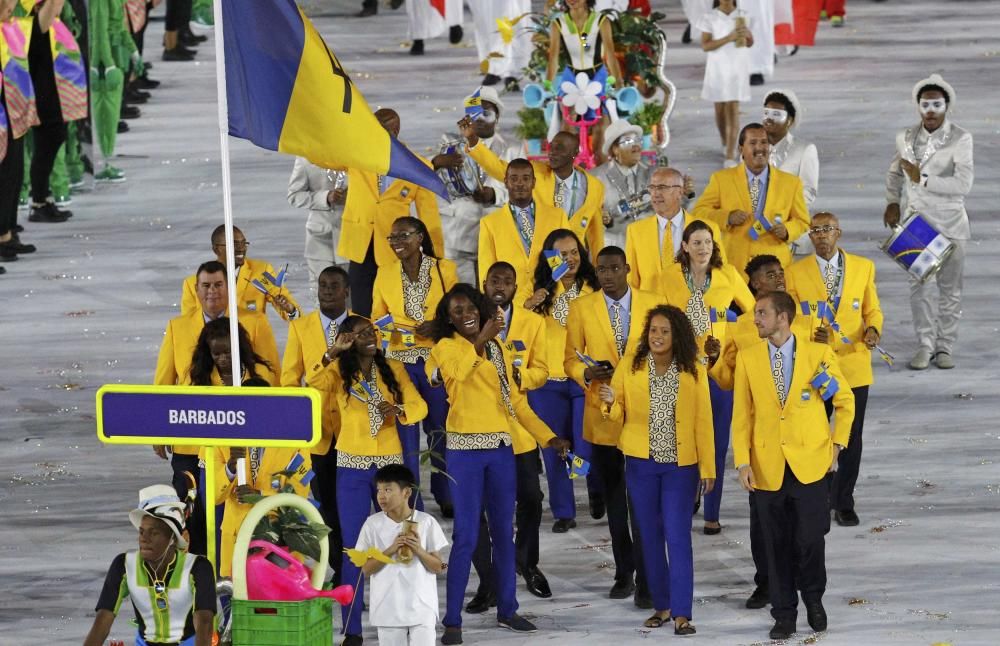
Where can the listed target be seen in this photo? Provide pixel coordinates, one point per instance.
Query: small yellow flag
(359, 557)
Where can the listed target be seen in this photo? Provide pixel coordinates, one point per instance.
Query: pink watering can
(273, 574)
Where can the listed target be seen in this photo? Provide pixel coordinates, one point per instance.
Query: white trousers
(488, 39)
(422, 635)
(426, 22)
(938, 331)
(761, 14)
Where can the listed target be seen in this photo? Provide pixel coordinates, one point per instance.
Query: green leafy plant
(648, 116)
(287, 527)
(638, 38)
(532, 124)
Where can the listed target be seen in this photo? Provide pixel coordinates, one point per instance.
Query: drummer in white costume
(323, 192)
(760, 14)
(930, 175)
(460, 218)
(782, 112)
(427, 22)
(625, 176)
(516, 54)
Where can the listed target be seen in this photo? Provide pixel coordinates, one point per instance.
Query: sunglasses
(775, 115)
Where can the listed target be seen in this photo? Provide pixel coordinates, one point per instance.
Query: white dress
(727, 70)
(426, 22)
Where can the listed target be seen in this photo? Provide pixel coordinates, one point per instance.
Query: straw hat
(161, 502)
(616, 130)
(487, 93)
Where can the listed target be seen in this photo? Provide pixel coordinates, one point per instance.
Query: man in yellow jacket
(558, 184)
(373, 204)
(652, 243)
(309, 338)
(760, 209)
(784, 448)
(847, 284)
(173, 367)
(600, 326)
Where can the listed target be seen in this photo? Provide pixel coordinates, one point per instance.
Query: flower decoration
(583, 95)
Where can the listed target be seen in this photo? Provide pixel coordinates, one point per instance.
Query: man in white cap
(460, 218)
(782, 112)
(625, 176)
(172, 592)
(931, 174)
(490, 40)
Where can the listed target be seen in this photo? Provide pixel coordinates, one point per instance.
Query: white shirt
(834, 264)
(326, 321)
(787, 351)
(575, 191)
(402, 595)
(676, 224)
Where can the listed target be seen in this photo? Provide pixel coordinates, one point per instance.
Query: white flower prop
(583, 95)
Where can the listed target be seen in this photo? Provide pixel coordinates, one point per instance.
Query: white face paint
(936, 106)
(775, 115)
(487, 115)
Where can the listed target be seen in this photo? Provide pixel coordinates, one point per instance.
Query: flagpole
(227, 211)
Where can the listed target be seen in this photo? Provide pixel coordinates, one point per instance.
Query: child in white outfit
(404, 598)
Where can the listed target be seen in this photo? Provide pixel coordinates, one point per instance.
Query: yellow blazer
(303, 358)
(248, 298)
(368, 215)
(692, 414)
(355, 434)
(528, 328)
(173, 364)
(859, 309)
(586, 223)
(728, 190)
(387, 297)
(473, 387)
(499, 239)
(727, 286)
(588, 329)
(645, 259)
(555, 334)
(766, 436)
(272, 461)
(739, 335)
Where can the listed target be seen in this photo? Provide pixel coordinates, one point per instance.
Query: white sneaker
(944, 361)
(921, 360)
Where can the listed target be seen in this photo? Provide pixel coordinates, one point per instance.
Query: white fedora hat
(935, 79)
(618, 128)
(161, 502)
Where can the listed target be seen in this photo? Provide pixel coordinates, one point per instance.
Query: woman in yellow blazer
(373, 394)
(212, 361)
(410, 289)
(559, 403)
(476, 370)
(705, 288)
(659, 392)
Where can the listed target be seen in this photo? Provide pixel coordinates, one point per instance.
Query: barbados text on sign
(213, 415)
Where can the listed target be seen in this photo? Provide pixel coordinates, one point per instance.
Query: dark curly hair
(683, 342)
(349, 364)
(442, 327)
(715, 262)
(427, 245)
(783, 99)
(585, 274)
(202, 364)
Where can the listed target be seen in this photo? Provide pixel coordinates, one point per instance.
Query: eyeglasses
(627, 141)
(822, 230)
(402, 236)
(775, 115)
(664, 187)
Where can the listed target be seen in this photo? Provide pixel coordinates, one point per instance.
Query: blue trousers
(661, 502)
(355, 498)
(482, 477)
(722, 420)
(433, 424)
(560, 405)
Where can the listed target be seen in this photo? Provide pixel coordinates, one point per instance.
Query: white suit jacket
(614, 186)
(799, 158)
(946, 178)
(307, 189)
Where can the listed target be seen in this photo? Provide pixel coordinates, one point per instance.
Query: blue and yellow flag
(288, 92)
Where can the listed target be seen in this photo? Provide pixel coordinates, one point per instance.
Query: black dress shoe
(352, 640)
(455, 34)
(686, 38)
(146, 83)
(2, 270)
(759, 599)
(756, 79)
(597, 508)
(417, 48)
(395, 4)
(491, 79)
(712, 531)
(783, 629)
(452, 635)
(189, 37)
(46, 213)
(6, 255)
(480, 603)
(122, 127)
(448, 510)
(537, 584)
(177, 54)
(14, 246)
(622, 589)
(18, 228)
(563, 525)
(136, 96)
(130, 112)
(846, 518)
(816, 615)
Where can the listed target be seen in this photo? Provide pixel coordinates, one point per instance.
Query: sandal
(683, 627)
(656, 621)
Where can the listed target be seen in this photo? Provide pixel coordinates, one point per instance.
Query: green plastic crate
(283, 623)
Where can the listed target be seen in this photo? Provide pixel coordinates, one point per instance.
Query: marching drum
(917, 247)
(465, 180)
